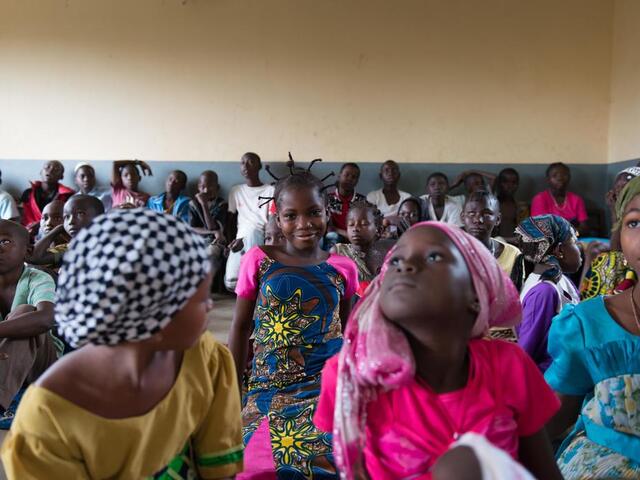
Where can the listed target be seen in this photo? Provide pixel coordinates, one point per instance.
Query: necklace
(633, 308)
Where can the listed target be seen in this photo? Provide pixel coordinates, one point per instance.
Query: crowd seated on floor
(456, 332)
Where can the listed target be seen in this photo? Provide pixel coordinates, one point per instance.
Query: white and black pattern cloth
(126, 275)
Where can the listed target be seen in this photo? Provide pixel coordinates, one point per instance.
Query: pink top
(572, 210)
(247, 286)
(120, 195)
(407, 429)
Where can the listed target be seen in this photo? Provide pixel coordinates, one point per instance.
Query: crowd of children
(387, 336)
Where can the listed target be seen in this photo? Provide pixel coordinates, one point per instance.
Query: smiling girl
(300, 295)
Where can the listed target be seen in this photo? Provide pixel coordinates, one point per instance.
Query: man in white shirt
(8, 207)
(246, 212)
(441, 206)
(388, 198)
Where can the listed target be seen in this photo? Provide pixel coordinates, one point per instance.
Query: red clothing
(408, 429)
(31, 210)
(572, 209)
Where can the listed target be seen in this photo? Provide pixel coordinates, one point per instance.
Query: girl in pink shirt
(415, 375)
(558, 200)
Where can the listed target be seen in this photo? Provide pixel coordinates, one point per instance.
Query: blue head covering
(539, 236)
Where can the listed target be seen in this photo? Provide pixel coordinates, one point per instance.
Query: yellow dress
(195, 431)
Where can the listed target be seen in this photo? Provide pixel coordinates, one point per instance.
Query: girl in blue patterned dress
(295, 297)
(595, 347)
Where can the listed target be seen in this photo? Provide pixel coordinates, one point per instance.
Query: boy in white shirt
(246, 214)
(439, 205)
(388, 198)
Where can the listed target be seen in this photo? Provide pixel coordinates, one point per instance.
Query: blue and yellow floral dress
(595, 357)
(297, 328)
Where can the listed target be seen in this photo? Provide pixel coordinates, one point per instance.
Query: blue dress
(595, 357)
(297, 329)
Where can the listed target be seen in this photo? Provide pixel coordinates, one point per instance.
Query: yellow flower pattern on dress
(284, 320)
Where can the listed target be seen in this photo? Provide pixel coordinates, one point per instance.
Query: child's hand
(236, 245)
(202, 198)
(58, 230)
(219, 238)
(146, 169)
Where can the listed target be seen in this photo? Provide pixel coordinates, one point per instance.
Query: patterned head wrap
(539, 236)
(126, 275)
(630, 190)
(631, 172)
(376, 355)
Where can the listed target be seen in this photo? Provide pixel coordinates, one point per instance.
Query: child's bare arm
(28, 322)
(570, 406)
(240, 333)
(345, 311)
(39, 255)
(536, 455)
(116, 179)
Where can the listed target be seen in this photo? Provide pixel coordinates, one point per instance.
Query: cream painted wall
(513, 81)
(624, 133)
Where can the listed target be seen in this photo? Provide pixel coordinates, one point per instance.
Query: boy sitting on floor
(42, 192)
(26, 316)
(79, 211)
(248, 215)
(208, 213)
(172, 201)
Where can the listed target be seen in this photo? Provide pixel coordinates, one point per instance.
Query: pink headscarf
(376, 355)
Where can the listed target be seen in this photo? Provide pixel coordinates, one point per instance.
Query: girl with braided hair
(301, 298)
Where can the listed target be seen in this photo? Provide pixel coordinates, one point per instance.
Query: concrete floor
(219, 324)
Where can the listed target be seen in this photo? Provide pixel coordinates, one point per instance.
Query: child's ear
(498, 219)
(558, 252)
(29, 250)
(278, 221)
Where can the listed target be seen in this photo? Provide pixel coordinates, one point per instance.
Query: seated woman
(414, 374)
(595, 347)
(607, 273)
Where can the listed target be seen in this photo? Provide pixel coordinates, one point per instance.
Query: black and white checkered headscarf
(126, 275)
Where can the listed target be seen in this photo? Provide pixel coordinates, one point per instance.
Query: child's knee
(459, 463)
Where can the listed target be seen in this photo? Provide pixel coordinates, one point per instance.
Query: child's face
(410, 212)
(569, 256)
(480, 218)
(348, 178)
(559, 178)
(427, 273)
(273, 235)
(390, 173)
(302, 217)
(13, 247)
(85, 179)
(52, 172)
(78, 214)
(51, 217)
(249, 167)
(190, 322)
(474, 183)
(361, 227)
(509, 183)
(208, 185)
(630, 233)
(130, 177)
(175, 184)
(437, 186)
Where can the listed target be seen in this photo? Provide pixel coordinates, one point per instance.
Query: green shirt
(35, 286)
